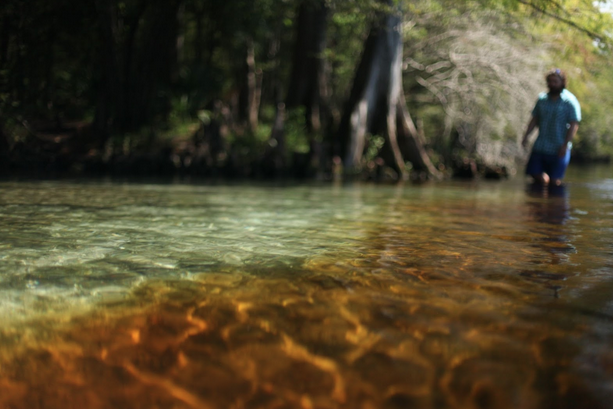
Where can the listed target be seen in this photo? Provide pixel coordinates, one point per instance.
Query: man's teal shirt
(553, 118)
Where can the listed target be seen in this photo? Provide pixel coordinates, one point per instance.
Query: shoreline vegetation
(375, 89)
(59, 153)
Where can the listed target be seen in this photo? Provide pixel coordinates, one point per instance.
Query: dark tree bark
(274, 162)
(108, 81)
(251, 91)
(411, 141)
(155, 64)
(5, 35)
(127, 87)
(5, 147)
(4, 142)
(377, 106)
(307, 84)
(136, 67)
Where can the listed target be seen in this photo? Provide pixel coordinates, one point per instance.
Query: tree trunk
(136, 68)
(5, 35)
(108, 84)
(251, 91)
(4, 150)
(274, 163)
(155, 64)
(126, 99)
(4, 142)
(412, 146)
(307, 84)
(377, 106)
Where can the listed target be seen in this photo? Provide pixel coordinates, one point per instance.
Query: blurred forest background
(383, 89)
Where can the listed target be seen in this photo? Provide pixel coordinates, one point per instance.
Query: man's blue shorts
(552, 165)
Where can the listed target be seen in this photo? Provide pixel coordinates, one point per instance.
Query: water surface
(448, 295)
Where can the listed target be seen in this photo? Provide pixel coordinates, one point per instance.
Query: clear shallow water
(451, 295)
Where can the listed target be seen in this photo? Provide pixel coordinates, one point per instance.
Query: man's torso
(553, 119)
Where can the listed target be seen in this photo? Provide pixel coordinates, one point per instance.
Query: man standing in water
(557, 115)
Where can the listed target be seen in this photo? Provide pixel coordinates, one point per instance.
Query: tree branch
(564, 20)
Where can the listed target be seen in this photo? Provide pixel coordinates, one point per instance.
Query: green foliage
(296, 134)
(586, 60)
(450, 69)
(44, 66)
(347, 34)
(167, 66)
(374, 145)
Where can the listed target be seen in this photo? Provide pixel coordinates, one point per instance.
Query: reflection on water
(555, 208)
(440, 296)
(550, 209)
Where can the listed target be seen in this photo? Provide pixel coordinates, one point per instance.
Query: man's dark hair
(558, 73)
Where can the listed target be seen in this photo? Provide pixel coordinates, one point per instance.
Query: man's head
(556, 81)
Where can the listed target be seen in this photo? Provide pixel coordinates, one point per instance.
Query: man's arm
(570, 134)
(531, 126)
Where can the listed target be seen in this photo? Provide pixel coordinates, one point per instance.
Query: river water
(442, 295)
